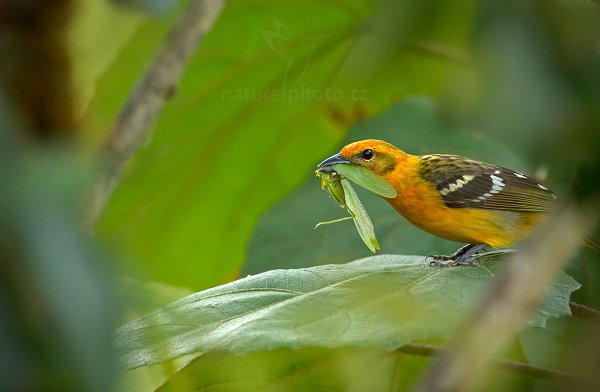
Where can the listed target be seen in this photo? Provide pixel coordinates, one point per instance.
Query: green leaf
(315, 369)
(299, 370)
(367, 179)
(263, 100)
(99, 32)
(380, 302)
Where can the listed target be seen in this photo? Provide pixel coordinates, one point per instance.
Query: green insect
(334, 185)
(341, 190)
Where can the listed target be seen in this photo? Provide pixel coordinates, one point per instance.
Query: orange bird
(452, 197)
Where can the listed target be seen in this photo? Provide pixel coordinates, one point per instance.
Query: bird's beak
(326, 165)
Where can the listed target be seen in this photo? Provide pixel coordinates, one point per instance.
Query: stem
(425, 350)
(134, 124)
(585, 313)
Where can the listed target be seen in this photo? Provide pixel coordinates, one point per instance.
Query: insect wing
(363, 223)
(367, 179)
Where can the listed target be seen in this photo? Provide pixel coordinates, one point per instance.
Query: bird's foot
(446, 261)
(464, 256)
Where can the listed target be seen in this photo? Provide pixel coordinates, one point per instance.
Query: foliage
(398, 299)
(57, 306)
(305, 369)
(225, 188)
(260, 92)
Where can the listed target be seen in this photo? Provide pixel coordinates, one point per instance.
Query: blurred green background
(224, 187)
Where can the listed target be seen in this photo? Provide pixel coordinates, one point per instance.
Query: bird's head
(378, 156)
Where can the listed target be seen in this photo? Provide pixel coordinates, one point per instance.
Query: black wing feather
(464, 182)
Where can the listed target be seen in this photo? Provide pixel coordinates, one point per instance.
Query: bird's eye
(367, 154)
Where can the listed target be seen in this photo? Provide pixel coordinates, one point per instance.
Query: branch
(508, 304)
(134, 124)
(425, 350)
(585, 313)
(35, 68)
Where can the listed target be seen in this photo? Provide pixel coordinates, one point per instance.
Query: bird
(453, 197)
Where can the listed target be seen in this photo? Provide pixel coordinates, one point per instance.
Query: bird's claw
(438, 257)
(438, 260)
(445, 261)
(441, 261)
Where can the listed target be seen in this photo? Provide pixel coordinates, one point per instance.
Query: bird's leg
(461, 251)
(463, 256)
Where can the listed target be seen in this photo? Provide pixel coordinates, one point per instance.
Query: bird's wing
(463, 182)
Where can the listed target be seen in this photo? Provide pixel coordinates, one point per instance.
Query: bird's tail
(591, 243)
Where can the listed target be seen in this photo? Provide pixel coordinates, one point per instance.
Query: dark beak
(326, 165)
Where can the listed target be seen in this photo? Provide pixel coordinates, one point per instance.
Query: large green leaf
(287, 228)
(345, 369)
(299, 370)
(273, 88)
(381, 301)
(97, 36)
